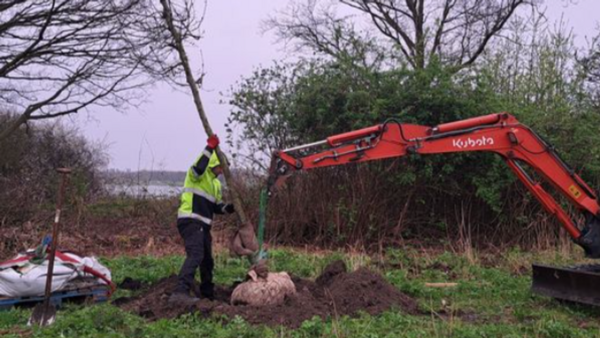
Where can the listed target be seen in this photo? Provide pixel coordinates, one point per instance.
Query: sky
(165, 132)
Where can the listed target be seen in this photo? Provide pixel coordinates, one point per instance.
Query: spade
(45, 313)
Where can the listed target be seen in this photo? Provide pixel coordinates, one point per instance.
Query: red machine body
(500, 133)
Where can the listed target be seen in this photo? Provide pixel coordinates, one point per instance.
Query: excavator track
(579, 284)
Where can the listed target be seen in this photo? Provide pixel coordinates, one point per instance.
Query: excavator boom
(499, 133)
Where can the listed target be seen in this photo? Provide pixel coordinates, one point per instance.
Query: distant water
(154, 190)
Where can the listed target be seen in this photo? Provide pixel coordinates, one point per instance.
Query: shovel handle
(64, 172)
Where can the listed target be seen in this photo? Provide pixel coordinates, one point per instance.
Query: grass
(491, 300)
(122, 207)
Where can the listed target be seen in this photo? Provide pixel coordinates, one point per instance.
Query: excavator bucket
(580, 284)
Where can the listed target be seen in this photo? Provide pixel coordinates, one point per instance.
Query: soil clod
(333, 269)
(335, 293)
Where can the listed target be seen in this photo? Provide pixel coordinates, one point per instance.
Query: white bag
(25, 279)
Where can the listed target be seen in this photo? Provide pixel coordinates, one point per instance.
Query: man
(200, 200)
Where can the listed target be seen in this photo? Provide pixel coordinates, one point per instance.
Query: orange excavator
(499, 133)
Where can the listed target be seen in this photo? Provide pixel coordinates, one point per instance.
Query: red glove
(213, 141)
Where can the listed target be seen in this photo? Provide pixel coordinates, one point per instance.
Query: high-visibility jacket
(201, 196)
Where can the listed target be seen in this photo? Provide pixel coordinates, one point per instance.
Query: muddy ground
(335, 293)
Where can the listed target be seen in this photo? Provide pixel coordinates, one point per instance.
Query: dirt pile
(335, 293)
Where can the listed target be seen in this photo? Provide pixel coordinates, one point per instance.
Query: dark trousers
(198, 250)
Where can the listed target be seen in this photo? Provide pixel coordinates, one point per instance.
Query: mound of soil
(335, 293)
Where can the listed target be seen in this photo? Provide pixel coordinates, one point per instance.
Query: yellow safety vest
(201, 197)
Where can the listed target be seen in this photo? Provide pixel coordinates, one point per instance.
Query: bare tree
(58, 57)
(455, 31)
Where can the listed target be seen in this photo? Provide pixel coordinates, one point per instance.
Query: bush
(28, 178)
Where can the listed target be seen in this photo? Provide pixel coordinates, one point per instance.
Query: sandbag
(237, 248)
(244, 242)
(268, 291)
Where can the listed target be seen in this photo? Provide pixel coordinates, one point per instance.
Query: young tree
(58, 57)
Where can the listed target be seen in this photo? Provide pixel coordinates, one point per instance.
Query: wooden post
(168, 16)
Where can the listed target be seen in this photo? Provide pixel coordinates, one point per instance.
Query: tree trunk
(168, 16)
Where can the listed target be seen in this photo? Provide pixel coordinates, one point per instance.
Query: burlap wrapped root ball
(268, 291)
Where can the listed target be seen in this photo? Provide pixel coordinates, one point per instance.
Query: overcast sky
(166, 134)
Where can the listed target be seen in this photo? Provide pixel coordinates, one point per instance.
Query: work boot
(210, 295)
(182, 298)
(208, 291)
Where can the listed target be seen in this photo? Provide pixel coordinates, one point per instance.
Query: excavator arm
(500, 133)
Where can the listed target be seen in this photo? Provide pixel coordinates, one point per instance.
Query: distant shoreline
(144, 177)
